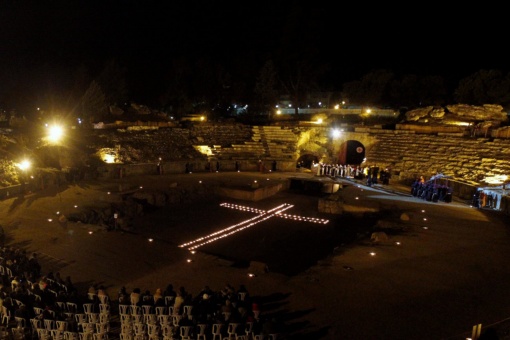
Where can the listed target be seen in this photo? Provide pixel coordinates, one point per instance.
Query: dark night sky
(54, 37)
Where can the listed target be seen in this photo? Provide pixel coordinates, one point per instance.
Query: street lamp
(55, 133)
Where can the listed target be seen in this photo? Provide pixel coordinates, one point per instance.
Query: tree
(299, 68)
(484, 87)
(113, 83)
(93, 103)
(266, 94)
(372, 90)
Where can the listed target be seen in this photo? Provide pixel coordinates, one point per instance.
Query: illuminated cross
(262, 215)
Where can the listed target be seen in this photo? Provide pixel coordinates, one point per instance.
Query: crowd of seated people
(36, 306)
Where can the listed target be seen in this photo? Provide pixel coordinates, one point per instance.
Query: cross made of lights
(262, 215)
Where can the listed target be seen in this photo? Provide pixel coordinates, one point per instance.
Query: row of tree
(204, 87)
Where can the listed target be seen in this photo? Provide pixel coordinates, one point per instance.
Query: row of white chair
(159, 310)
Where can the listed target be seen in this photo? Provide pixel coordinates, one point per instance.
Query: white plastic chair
(164, 320)
(93, 317)
(104, 308)
(61, 325)
(153, 331)
(102, 327)
(167, 331)
(36, 324)
(169, 301)
(17, 333)
(71, 336)
(248, 328)
(216, 331)
(124, 309)
(241, 295)
(57, 334)
(49, 324)
(187, 310)
(176, 319)
(85, 336)
(185, 332)
(37, 310)
(88, 308)
(232, 330)
(125, 319)
(72, 307)
(126, 328)
(135, 310)
(61, 305)
(20, 322)
(104, 299)
(139, 328)
(201, 329)
(146, 309)
(100, 336)
(43, 334)
(103, 318)
(160, 310)
(151, 319)
(124, 336)
(81, 318)
(88, 327)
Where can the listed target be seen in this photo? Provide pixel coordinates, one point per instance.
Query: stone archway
(351, 152)
(306, 161)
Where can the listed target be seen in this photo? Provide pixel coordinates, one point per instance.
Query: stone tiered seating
(280, 142)
(457, 156)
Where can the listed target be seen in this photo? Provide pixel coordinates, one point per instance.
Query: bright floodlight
(336, 133)
(24, 165)
(55, 133)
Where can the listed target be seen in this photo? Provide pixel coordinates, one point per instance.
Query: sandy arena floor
(448, 272)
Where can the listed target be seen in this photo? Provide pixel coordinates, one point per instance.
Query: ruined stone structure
(408, 152)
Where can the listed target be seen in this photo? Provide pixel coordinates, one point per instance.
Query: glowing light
(496, 179)
(107, 158)
(425, 228)
(372, 253)
(251, 275)
(357, 198)
(58, 212)
(336, 133)
(261, 217)
(24, 165)
(151, 239)
(193, 251)
(76, 206)
(141, 187)
(90, 232)
(423, 211)
(55, 133)
(424, 218)
(108, 192)
(200, 182)
(49, 219)
(189, 260)
(397, 243)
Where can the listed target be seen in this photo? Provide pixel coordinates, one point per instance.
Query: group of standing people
(431, 191)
